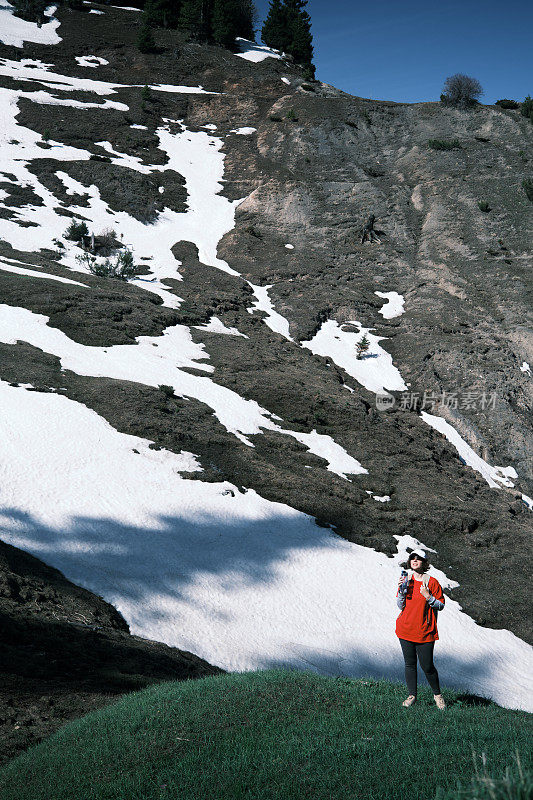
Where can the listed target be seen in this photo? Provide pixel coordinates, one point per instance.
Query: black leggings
(424, 652)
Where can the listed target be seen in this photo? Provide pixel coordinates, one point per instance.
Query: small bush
(483, 206)
(527, 186)
(444, 144)
(46, 135)
(108, 241)
(275, 118)
(97, 157)
(461, 91)
(290, 115)
(146, 41)
(168, 391)
(507, 103)
(526, 108)
(146, 94)
(76, 231)
(122, 268)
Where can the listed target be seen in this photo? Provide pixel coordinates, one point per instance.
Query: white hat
(418, 552)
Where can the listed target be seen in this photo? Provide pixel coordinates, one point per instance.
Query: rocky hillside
(265, 268)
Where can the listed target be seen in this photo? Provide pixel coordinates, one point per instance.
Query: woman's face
(415, 562)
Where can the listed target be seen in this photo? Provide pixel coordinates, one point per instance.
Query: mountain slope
(242, 190)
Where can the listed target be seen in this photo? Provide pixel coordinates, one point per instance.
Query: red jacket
(418, 621)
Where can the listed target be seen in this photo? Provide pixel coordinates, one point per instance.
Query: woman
(420, 598)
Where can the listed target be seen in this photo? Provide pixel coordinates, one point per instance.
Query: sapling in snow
(362, 346)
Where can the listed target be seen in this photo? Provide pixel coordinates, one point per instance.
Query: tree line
(218, 21)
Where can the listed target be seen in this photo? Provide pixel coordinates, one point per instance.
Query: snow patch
(32, 274)
(196, 564)
(243, 131)
(91, 61)
(215, 325)
(251, 51)
(289, 246)
(15, 31)
(375, 370)
(275, 321)
(496, 477)
(394, 306)
(525, 368)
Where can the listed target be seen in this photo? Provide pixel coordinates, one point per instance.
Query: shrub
(108, 241)
(122, 268)
(97, 157)
(444, 144)
(290, 115)
(168, 391)
(146, 95)
(526, 108)
(483, 206)
(275, 118)
(146, 41)
(461, 91)
(507, 103)
(76, 231)
(527, 186)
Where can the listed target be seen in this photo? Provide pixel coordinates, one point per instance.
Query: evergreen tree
(196, 18)
(145, 40)
(298, 20)
(224, 22)
(362, 346)
(274, 32)
(287, 28)
(246, 18)
(161, 13)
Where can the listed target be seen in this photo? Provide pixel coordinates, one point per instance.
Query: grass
(273, 735)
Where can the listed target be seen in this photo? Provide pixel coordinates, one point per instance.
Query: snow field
(152, 366)
(243, 582)
(15, 31)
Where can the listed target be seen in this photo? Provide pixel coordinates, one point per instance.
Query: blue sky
(403, 50)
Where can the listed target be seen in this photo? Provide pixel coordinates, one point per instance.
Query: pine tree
(246, 19)
(161, 13)
(298, 21)
(196, 18)
(274, 32)
(145, 40)
(224, 22)
(362, 346)
(288, 28)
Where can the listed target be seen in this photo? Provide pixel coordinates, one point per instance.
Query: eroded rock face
(316, 165)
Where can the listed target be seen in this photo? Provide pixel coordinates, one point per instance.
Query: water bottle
(405, 582)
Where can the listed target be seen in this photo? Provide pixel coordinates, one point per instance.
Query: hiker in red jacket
(420, 598)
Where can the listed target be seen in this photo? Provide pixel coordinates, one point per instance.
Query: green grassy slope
(275, 734)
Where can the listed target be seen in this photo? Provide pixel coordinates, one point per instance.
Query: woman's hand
(423, 591)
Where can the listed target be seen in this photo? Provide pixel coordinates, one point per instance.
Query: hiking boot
(439, 701)
(410, 700)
